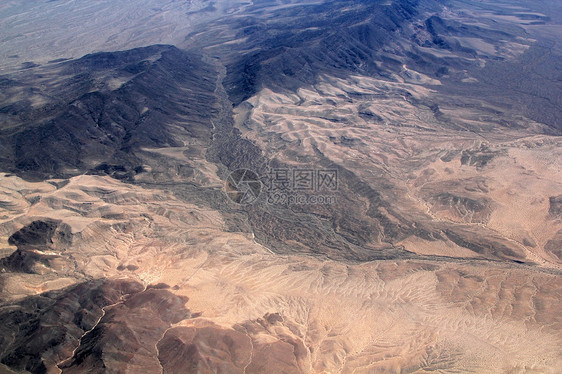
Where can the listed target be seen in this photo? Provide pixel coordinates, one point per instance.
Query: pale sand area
(382, 316)
(386, 131)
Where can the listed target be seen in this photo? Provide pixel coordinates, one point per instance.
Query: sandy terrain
(383, 316)
(421, 155)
